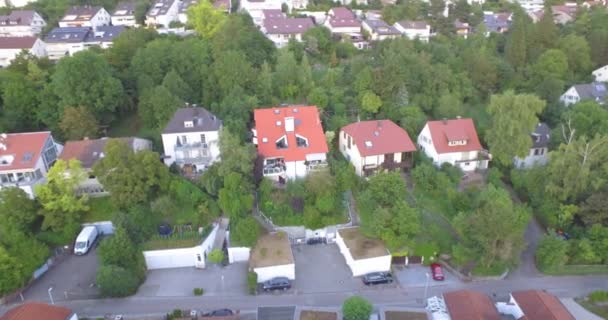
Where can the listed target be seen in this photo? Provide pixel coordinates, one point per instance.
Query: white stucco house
(539, 151)
(281, 30)
(376, 145)
(21, 23)
(342, 20)
(25, 159)
(62, 42)
(379, 30)
(191, 139)
(124, 14)
(162, 13)
(363, 255)
(453, 141)
(290, 141)
(596, 91)
(601, 74)
(85, 16)
(414, 29)
(256, 8)
(11, 47)
(272, 257)
(88, 152)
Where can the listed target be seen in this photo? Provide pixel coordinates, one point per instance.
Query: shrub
(356, 308)
(551, 252)
(598, 296)
(252, 282)
(198, 291)
(216, 256)
(114, 281)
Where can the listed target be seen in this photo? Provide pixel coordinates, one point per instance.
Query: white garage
(363, 255)
(272, 257)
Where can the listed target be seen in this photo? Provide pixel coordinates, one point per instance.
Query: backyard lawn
(101, 209)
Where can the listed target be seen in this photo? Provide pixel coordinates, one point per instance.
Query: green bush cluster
(252, 282)
(356, 308)
(198, 291)
(598, 296)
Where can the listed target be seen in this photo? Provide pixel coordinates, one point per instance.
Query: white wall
(295, 169)
(127, 21)
(532, 160)
(8, 55)
(601, 74)
(59, 50)
(267, 273)
(352, 154)
(24, 31)
(570, 97)
(170, 140)
(238, 254)
(422, 34)
(363, 266)
(73, 317)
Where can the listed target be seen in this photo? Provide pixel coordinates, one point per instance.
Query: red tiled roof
(270, 125)
(539, 305)
(88, 151)
(20, 147)
(470, 305)
(17, 42)
(443, 131)
(384, 136)
(35, 311)
(287, 25)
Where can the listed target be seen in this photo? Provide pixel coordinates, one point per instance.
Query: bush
(356, 308)
(252, 282)
(114, 281)
(551, 252)
(198, 291)
(216, 256)
(598, 296)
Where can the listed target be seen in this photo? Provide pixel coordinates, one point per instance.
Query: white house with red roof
(342, 20)
(414, 29)
(11, 47)
(290, 141)
(453, 141)
(25, 159)
(376, 145)
(281, 30)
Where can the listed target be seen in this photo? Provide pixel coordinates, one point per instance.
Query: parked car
(278, 283)
(219, 313)
(377, 278)
(437, 272)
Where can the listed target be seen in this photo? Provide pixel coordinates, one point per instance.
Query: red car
(437, 272)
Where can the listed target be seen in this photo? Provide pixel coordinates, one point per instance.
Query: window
(349, 141)
(184, 140)
(537, 152)
(203, 138)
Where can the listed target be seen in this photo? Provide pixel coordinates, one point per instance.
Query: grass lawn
(599, 310)
(318, 315)
(101, 209)
(577, 270)
(491, 271)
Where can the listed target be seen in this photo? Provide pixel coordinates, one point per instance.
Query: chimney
(289, 124)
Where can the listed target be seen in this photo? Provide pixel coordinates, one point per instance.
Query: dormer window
(282, 143)
(457, 143)
(188, 124)
(301, 141)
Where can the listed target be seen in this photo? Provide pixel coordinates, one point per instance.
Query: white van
(85, 240)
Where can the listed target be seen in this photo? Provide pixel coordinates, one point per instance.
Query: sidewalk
(577, 310)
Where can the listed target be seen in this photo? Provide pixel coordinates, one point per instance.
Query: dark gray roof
(202, 120)
(18, 18)
(381, 27)
(84, 13)
(541, 136)
(124, 9)
(160, 7)
(592, 91)
(495, 22)
(276, 313)
(105, 33)
(69, 34)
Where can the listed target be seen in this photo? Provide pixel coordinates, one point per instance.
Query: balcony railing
(191, 146)
(26, 181)
(194, 160)
(275, 169)
(316, 166)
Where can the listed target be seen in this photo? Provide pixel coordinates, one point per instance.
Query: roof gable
(539, 305)
(376, 137)
(454, 135)
(21, 150)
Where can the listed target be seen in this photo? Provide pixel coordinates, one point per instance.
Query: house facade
(342, 20)
(601, 74)
(376, 145)
(11, 47)
(281, 30)
(88, 152)
(25, 159)
(595, 91)
(86, 16)
(379, 30)
(256, 8)
(453, 141)
(162, 13)
(191, 140)
(124, 14)
(539, 152)
(414, 29)
(290, 142)
(21, 23)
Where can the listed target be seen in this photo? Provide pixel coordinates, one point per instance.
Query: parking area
(416, 276)
(322, 268)
(73, 278)
(179, 282)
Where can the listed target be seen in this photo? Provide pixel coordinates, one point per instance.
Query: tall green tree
(516, 47)
(235, 198)
(514, 117)
(78, 123)
(236, 156)
(206, 19)
(286, 75)
(12, 273)
(157, 106)
(17, 210)
(60, 203)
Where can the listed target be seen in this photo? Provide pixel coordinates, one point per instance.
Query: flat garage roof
(276, 313)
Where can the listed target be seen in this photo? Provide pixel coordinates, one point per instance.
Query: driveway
(179, 282)
(415, 276)
(71, 279)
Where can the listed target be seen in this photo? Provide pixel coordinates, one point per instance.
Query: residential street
(562, 287)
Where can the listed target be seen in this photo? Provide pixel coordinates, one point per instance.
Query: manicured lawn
(101, 209)
(577, 270)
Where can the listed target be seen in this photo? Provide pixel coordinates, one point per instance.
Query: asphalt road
(407, 297)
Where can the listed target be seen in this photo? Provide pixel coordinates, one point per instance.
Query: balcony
(27, 179)
(274, 169)
(316, 165)
(192, 146)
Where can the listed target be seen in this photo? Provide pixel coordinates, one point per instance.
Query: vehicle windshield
(81, 245)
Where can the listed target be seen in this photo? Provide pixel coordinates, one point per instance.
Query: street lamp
(51, 295)
(426, 286)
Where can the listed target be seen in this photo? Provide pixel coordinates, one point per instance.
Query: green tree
(286, 75)
(78, 123)
(370, 102)
(264, 85)
(356, 308)
(130, 177)
(586, 118)
(552, 64)
(157, 106)
(95, 89)
(120, 251)
(546, 33)
(115, 281)
(206, 19)
(177, 86)
(236, 156)
(578, 53)
(386, 189)
(235, 198)
(216, 256)
(246, 231)
(61, 206)
(514, 117)
(232, 69)
(12, 273)
(17, 210)
(20, 98)
(552, 252)
(516, 46)
(593, 210)
(318, 97)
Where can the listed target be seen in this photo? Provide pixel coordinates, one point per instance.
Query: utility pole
(51, 295)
